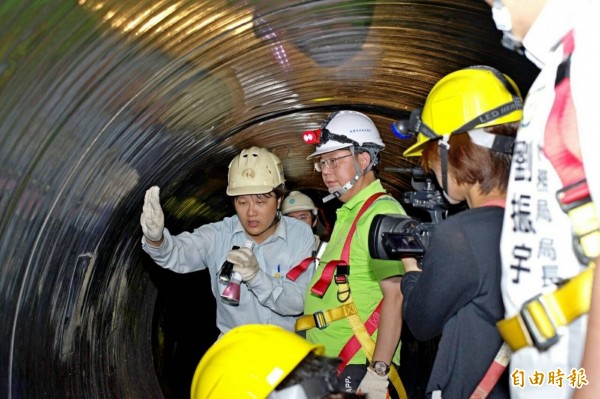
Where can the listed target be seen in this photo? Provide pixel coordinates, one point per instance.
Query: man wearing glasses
(366, 290)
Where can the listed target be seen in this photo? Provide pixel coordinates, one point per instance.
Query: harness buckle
(344, 295)
(342, 270)
(320, 320)
(537, 337)
(341, 274)
(576, 202)
(341, 279)
(580, 252)
(573, 195)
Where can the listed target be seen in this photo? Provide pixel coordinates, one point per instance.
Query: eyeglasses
(330, 163)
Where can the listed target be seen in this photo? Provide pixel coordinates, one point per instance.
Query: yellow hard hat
(297, 201)
(254, 171)
(470, 98)
(249, 361)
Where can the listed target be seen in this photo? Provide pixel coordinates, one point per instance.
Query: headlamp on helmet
(319, 136)
(312, 137)
(322, 136)
(352, 131)
(410, 128)
(402, 129)
(465, 100)
(344, 130)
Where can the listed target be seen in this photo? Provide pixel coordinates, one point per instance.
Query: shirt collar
(364, 194)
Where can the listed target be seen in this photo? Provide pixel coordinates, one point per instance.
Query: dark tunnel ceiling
(102, 99)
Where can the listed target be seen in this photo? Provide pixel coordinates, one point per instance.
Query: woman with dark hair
(465, 134)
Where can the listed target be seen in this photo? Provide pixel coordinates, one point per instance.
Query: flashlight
(231, 293)
(226, 270)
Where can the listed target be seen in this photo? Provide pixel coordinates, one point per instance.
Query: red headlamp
(312, 136)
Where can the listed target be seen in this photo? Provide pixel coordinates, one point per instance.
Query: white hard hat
(254, 171)
(296, 201)
(352, 128)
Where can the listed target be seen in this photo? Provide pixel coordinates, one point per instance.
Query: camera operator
(464, 134)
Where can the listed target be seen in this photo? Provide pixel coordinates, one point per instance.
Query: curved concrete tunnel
(102, 99)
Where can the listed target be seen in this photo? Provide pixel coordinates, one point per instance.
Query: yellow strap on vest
(537, 323)
(584, 221)
(540, 317)
(324, 318)
(368, 346)
(349, 311)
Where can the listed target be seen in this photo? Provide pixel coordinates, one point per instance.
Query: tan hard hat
(254, 171)
(296, 201)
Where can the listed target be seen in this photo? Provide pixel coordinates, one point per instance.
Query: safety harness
(541, 316)
(347, 310)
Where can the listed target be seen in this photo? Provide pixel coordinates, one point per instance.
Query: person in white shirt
(278, 243)
(555, 177)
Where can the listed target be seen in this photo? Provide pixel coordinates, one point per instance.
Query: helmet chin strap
(444, 147)
(451, 200)
(341, 191)
(351, 183)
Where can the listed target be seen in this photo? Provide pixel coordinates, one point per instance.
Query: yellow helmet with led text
(464, 100)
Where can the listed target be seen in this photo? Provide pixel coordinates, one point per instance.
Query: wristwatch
(381, 368)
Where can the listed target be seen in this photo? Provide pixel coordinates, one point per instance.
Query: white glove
(152, 219)
(373, 385)
(244, 262)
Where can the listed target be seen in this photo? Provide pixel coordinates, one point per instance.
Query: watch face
(381, 368)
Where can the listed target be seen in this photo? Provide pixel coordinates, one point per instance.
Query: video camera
(395, 236)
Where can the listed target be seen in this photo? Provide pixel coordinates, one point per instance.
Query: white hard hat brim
(325, 148)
